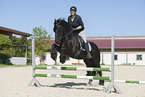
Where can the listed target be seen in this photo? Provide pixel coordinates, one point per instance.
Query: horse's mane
(65, 24)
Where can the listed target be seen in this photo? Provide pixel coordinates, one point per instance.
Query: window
(115, 57)
(139, 57)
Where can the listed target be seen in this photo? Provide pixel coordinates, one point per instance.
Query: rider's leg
(83, 35)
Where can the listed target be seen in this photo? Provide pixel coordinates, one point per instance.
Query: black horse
(68, 45)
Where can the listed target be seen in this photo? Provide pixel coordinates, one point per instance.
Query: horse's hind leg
(89, 63)
(90, 73)
(93, 73)
(101, 82)
(96, 64)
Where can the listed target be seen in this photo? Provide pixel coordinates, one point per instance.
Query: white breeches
(83, 35)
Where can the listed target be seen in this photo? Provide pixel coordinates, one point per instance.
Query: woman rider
(76, 22)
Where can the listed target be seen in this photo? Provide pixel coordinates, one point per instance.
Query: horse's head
(61, 27)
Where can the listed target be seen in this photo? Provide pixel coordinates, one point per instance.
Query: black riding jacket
(76, 22)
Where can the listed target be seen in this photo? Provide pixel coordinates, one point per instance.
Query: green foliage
(102, 63)
(5, 42)
(42, 38)
(6, 51)
(16, 43)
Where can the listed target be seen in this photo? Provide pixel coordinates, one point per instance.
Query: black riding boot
(87, 50)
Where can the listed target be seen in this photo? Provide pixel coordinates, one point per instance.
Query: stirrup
(89, 56)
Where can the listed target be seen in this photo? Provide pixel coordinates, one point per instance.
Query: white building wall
(106, 59)
(50, 61)
(18, 60)
(132, 59)
(121, 58)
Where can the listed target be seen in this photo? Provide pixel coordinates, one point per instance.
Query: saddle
(82, 43)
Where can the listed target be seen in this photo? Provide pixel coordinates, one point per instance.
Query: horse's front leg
(62, 58)
(63, 54)
(54, 49)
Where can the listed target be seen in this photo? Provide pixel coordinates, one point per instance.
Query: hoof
(101, 82)
(54, 56)
(62, 62)
(90, 82)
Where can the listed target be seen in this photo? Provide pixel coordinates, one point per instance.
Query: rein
(64, 37)
(67, 34)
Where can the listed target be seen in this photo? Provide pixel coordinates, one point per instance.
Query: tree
(42, 38)
(6, 51)
(16, 43)
(5, 42)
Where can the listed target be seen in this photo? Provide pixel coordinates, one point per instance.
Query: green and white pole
(130, 81)
(72, 76)
(71, 68)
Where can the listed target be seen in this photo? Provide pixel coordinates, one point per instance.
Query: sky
(100, 17)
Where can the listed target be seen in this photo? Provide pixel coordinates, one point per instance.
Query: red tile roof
(119, 43)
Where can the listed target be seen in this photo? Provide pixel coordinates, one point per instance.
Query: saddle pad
(89, 47)
(81, 41)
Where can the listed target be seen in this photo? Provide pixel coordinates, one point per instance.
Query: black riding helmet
(73, 8)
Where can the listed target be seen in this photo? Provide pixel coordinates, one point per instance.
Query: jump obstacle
(111, 80)
(80, 77)
(130, 81)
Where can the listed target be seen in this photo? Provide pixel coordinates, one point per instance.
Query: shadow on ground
(79, 86)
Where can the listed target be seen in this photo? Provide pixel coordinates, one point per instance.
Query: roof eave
(11, 31)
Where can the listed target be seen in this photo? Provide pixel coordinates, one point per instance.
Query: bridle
(64, 29)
